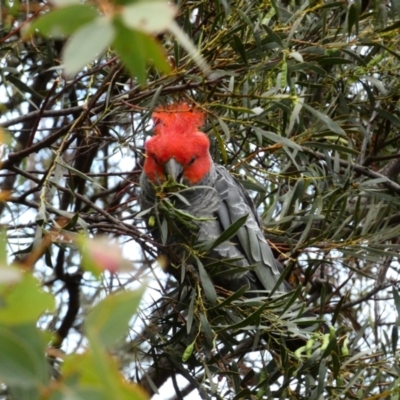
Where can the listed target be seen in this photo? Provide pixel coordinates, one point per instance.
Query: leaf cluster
(302, 106)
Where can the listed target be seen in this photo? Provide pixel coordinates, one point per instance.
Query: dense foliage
(302, 106)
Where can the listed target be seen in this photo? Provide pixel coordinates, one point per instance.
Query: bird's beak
(173, 170)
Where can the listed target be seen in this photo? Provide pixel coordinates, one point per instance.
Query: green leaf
(3, 247)
(24, 302)
(332, 125)
(208, 286)
(274, 37)
(395, 338)
(315, 210)
(291, 196)
(284, 75)
(334, 61)
(190, 317)
(207, 330)
(277, 138)
(390, 28)
(164, 231)
(225, 129)
(396, 297)
(237, 45)
(321, 381)
(235, 296)
(330, 146)
(156, 54)
(22, 357)
(220, 140)
(94, 375)
(136, 49)
(389, 116)
(294, 297)
(353, 16)
(64, 20)
(250, 184)
(251, 320)
(228, 233)
(22, 86)
(109, 319)
(86, 44)
(356, 56)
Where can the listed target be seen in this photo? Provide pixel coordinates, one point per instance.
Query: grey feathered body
(222, 200)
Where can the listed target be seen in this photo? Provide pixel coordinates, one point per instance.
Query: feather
(249, 240)
(177, 119)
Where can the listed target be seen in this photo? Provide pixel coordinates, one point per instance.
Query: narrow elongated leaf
(390, 28)
(251, 320)
(278, 139)
(208, 332)
(164, 231)
(395, 338)
(389, 116)
(228, 233)
(225, 129)
(183, 199)
(273, 36)
(232, 297)
(292, 300)
(396, 297)
(78, 173)
(252, 185)
(25, 89)
(239, 48)
(190, 316)
(208, 286)
(334, 61)
(332, 125)
(353, 15)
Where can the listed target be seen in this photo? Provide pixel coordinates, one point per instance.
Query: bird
(206, 201)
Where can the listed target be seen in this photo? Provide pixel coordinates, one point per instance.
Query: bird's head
(178, 150)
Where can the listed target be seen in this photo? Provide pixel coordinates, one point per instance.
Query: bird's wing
(249, 240)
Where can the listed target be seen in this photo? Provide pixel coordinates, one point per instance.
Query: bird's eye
(192, 160)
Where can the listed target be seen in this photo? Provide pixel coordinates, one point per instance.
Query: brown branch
(72, 284)
(42, 108)
(134, 96)
(19, 155)
(389, 157)
(94, 174)
(367, 296)
(392, 168)
(39, 84)
(360, 169)
(21, 25)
